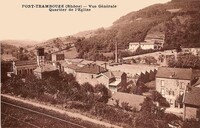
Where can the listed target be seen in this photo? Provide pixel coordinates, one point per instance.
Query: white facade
(144, 45)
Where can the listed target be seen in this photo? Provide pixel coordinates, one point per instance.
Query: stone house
(113, 80)
(88, 73)
(191, 104)
(172, 83)
(57, 56)
(71, 69)
(46, 71)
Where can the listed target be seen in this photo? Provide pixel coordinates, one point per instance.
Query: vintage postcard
(100, 63)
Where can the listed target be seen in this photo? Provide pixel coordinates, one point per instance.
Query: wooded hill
(178, 20)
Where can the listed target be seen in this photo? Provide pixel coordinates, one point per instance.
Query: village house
(57, 56)
(143, 45)
(133, 46)
(46, 71)
(194, 51)
(113, 80)
(88, 73)
(132, 100)
(172, 83)
(191, 104)
(70, 68)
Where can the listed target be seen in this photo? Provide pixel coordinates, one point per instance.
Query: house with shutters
(172, 83)
(89, 73)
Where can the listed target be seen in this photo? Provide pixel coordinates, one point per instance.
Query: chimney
(99, 68)
(116, 52)
(105, 65)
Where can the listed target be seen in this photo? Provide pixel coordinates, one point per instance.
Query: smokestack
(116, 52)
(105, 65)
(98, 68)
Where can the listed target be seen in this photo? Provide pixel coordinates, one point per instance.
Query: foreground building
(88, 73)
(172, 83)
(95, 74)
(191, 104)
(114, 80)
(132, 100)
(46, 71)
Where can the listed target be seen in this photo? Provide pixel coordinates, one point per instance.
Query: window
(181, 92)
(162, 91)
(162, 82)
(170, 101)
(181, 85)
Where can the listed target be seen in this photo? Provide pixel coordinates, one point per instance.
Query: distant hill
(178, 20)
(19, 43)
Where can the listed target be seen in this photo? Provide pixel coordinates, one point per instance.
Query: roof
(174, 73)
(192, 97)
(108, 74)
(117, 73)
(45, 68)
(91, 69)
(197, 83)
(196, 73)
(75, 60)
(132, 99)
(73, 66)
(115, 83)
(28, 62)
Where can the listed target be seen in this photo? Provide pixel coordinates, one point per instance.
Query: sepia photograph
(100, 64)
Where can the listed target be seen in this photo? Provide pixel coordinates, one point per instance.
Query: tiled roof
(108, 74)
(91, 69)
(115, 83)
(72, 66)
(45, 68)
(174, 73)
(192, 97)
(117, 73)
(22, 63)
(132, 99)
(196, 73)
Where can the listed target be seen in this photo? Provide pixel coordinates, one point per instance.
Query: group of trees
(184, 61)
(66, 91)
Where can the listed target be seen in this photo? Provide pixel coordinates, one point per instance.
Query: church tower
(40, 57)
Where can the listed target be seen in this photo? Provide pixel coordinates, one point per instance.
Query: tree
(102, 93)
(150, 115)
(87, 87)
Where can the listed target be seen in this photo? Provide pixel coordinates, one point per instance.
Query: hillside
(178, 21)
(19, 43)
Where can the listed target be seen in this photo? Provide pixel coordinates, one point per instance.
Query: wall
(190, 112)
(103, 80)
(172, 88)
(69, 70)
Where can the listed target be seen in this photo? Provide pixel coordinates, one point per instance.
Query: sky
(19, 23)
